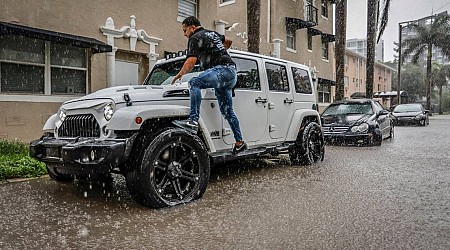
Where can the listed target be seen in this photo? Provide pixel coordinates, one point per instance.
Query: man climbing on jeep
(210, 48)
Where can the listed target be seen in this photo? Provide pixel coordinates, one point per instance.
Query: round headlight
(108, 111)
(363, 127)
(62, 115)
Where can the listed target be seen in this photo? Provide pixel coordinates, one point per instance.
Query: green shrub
(15, 161)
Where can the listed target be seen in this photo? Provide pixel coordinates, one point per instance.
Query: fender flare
(124, 118)
(296, 122)
(50, 124)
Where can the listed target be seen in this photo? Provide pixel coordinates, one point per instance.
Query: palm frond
(384, 18)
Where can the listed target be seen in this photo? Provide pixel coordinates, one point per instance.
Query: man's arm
(187, 67)
(227, 42)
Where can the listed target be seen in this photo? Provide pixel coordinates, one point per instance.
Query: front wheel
(173, 169)
(310, 146)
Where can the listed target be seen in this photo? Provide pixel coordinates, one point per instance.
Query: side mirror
(427, 111)
(382, 112)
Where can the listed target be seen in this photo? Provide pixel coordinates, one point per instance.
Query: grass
(15, 161)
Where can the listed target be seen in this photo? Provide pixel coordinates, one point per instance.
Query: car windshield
(163, 74)
(407, 108)
(348, 109)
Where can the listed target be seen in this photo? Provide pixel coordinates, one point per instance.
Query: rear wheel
(310, 147)
(173, 169)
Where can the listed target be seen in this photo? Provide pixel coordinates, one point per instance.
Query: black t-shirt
(208, 47)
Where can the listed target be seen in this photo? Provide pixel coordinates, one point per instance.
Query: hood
(407, 114)
(137, 93)
(345, 120)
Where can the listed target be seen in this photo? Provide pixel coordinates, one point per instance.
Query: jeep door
(249, 102)
(303, 87)
(280, 99)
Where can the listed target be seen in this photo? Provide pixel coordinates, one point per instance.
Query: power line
(443, 6)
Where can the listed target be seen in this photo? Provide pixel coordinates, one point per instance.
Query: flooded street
(396, 196)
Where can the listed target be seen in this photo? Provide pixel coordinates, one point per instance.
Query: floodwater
(396, 196)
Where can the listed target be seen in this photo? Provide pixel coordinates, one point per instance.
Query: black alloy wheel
(174, 169)
(310, 146)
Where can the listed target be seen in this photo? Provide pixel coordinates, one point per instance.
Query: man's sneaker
(240, 148)
(191, 126)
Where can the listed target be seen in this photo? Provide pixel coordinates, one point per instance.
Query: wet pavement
(396, 196)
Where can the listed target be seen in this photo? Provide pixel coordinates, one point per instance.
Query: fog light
(92, 155)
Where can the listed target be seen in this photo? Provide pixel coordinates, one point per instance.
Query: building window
(290, 38)
(186, 8)
(346, 60)
(324, 93)
(324, 50)
(309, 41)
(33, 66)
(325, 8)
(226, 2)
(346, 81)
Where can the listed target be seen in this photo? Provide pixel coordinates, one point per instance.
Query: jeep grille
(79, 126)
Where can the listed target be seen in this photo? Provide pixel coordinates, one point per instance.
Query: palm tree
(374, 23)
(341, 25)
(253, 23)
(436, 34)
(440, 74)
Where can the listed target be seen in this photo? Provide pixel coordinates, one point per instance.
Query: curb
(15, 180)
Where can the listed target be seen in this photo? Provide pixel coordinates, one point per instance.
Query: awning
(328, 37)
(358, 95)
(326, 82)
(299, 23)
(58, 37)
(314, 32)
(390, 94)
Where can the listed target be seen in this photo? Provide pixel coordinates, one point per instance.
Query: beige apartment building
(355, 79)
(54, 51)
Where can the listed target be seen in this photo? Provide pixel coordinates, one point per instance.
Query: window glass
(22, 49)
(324, 93)
(68, 81)
(187, 8)
(20, 78)
(301, 81)
(325, 8)
(309, 41)
(247, 74)
(290, 38)
(324, 50)
(277, 77)
(69, 56)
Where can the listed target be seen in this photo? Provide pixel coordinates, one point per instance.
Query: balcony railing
(311, 13)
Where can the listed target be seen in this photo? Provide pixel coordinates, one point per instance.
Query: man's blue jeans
(222, 79)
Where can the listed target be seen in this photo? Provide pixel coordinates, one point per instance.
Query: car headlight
(419, 116)
(62, 114)
(108, 111)
(363, 127)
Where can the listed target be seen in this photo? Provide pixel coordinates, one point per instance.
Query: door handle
(287, 100)
(261, 100)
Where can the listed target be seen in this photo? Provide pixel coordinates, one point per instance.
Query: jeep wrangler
(128, 129)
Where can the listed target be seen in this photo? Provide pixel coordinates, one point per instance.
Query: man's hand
(187, 67)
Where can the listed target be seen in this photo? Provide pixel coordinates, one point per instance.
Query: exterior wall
(355, 70)
(22, 116)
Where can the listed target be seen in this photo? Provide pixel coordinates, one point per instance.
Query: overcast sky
(400, 11)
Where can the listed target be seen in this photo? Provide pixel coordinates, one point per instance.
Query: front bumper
(407, 121)
(81, 157)
(352, 138)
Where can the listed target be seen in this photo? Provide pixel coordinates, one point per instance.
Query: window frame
(285, 79)
(310, 42)
(180, 18)
(324, 9)
(235, 59)
(325, 50)
(291, 34)
(47, 66)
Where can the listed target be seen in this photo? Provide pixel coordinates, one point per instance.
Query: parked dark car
(357, 122)
(410, 114)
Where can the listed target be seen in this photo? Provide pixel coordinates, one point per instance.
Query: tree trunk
(372, 9)
(440, 100)
(341, 25)
(253, 24)
(428, 81)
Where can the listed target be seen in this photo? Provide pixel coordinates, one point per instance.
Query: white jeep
(129, 130)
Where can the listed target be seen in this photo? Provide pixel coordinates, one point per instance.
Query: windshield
(349, 109)
(163, 74)
(407, 108)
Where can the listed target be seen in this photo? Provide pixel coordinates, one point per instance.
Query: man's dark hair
(192, 20)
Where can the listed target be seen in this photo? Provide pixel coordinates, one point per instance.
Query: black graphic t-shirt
(208, 47)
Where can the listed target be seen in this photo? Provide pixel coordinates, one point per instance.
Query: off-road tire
(310, 146)
(54, 175)
(173, 169)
